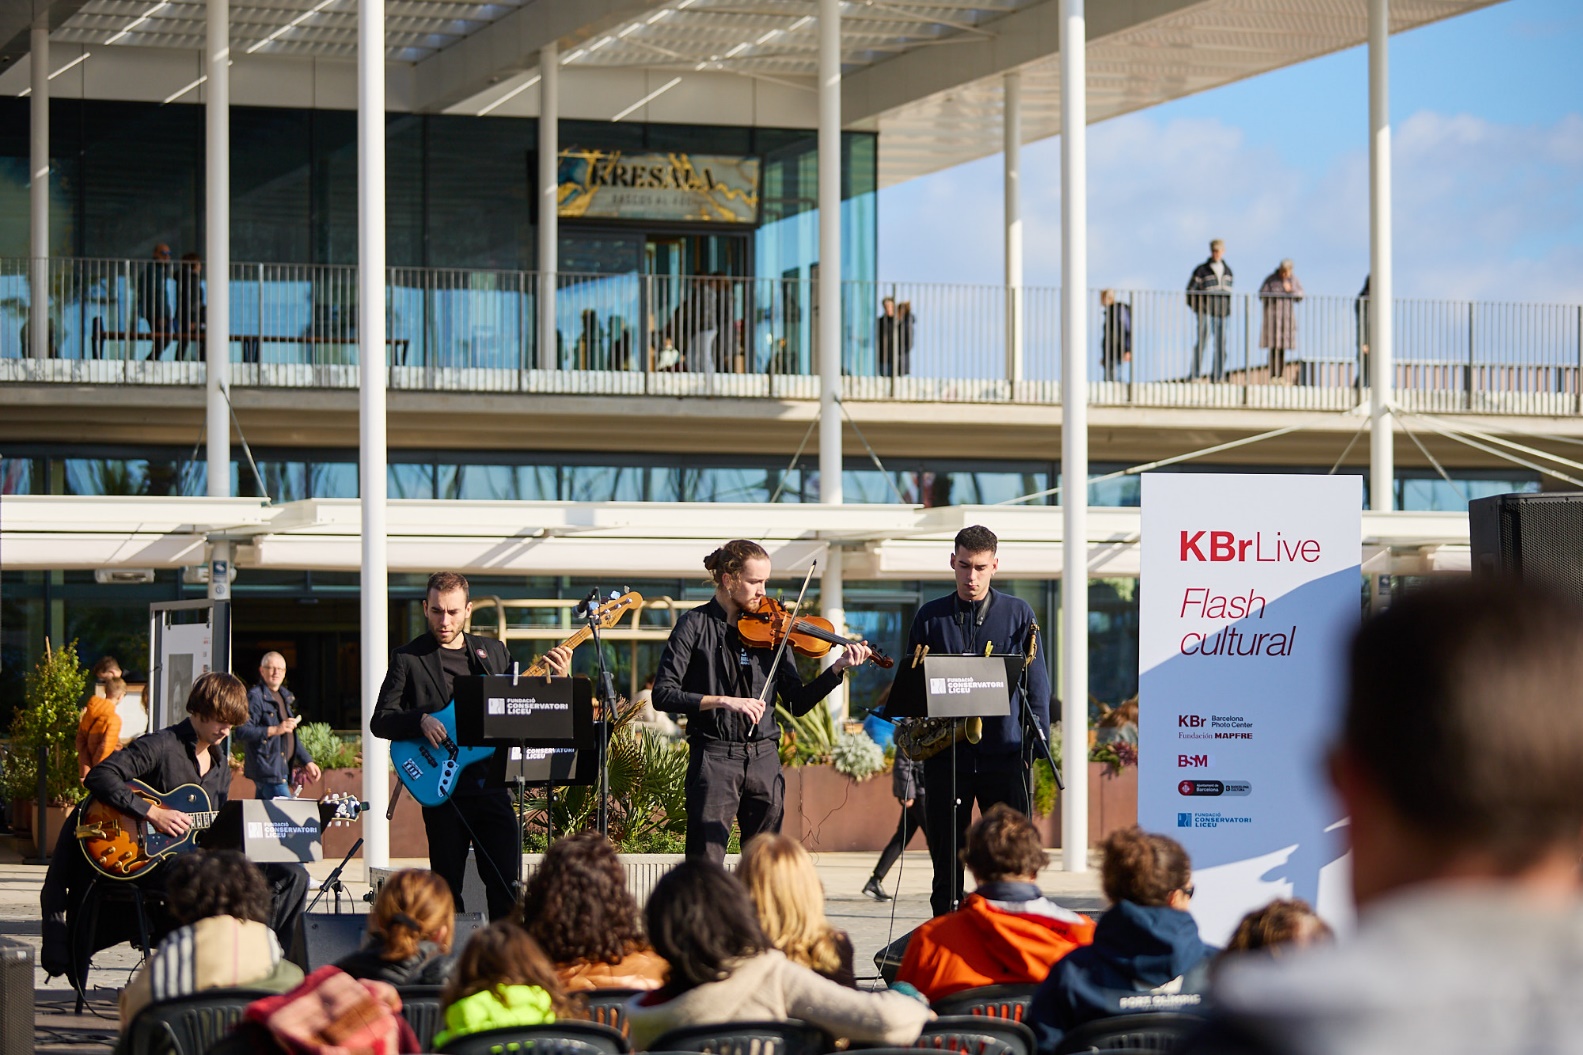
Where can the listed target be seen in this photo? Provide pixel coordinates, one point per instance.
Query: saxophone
(922, 738)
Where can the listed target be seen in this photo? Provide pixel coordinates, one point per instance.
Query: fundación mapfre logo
(1213, 727)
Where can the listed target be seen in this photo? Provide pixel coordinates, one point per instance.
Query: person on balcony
(1209, 295)
(893, 333)
(152, 304)
(189, 305)
(1279, 295)
(1115, 344)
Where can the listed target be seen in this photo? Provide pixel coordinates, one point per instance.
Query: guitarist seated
(418, 684)
(191, 752)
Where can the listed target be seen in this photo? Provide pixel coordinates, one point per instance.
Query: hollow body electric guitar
(429, 773)
(123, 846)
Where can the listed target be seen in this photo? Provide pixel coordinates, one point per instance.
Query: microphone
(590, 603)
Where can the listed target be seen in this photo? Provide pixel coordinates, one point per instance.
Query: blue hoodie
(1137, 963)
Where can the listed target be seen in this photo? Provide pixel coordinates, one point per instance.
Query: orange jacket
(642, 969)
(991, 943)
(98, 734)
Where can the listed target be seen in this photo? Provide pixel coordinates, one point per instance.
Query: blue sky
(1488, 170)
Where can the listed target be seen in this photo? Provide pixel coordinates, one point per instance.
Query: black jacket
(1208, 295)
(264, 756)
(429, 967)
(704, 657)
(415, 686)
(165, 760)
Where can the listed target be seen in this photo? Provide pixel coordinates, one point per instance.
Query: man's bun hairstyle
(728, 559)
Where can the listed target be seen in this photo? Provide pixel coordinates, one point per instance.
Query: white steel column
(1074, 436)
(217, 244)
(549, 217)
(832, 605)
(375, 602)
(1011, 120)
(828, 343)
(1382, 432)
(38, 187)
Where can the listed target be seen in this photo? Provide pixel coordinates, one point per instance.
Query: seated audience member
(789, 898)
(1465, 832)
(1006, 932)
(723, 969)
(1285, 924)
(220, 903)
(330, 1013)
(99, 728)
(409, 932)
(578, 909)
(1146, 954)
(502, 978)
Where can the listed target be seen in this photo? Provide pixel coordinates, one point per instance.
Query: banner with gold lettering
(697, 188)
(1250, 591)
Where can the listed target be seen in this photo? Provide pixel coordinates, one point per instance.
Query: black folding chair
(792, 1037)
(1151, 1031)
(420, 1006)
(187, 1025)
(976, 1035)
(608, 1007)
(991, 1001)
(560, 1038)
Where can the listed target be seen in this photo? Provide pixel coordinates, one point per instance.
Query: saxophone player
(997, 767)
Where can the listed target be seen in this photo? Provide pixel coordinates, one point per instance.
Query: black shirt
(164, 760)
(454, 663)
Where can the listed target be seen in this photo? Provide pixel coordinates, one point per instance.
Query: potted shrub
(48, 717)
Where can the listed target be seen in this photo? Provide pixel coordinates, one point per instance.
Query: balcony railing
(295, 326)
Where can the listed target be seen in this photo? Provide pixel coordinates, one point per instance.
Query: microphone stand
(607, 706)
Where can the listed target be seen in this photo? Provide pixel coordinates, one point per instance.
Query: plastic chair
(991, 1001)
(1150, 1031)
(560, 1038)
(420, 1006)
(187, 1025)
(608, 1007)
(976, 1035)
(792, 1037)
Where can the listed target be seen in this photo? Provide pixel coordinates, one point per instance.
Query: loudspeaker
(1537, 537)
(16, 998)
(888, 959)
(325, 937)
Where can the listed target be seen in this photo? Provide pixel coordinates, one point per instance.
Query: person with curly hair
(577, 907)
(409, 932)
(1146, 954)
(502, 978)
(789, 898)
(1286, 923)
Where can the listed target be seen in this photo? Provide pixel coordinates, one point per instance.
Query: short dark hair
(1003, 843)
(216, 883)
(700, 918)
(1465, 708)
(445, 582)
(1143, 868)
(576, 905)
(105, 663)
(729, 558)
(218, 696)
(976, 538)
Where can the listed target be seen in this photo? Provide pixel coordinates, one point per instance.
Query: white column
(38, 189)
(1011, 121)
(828, 341)
(549, 217)
(1382, 433)
(375, 602)
(217, 244)
(1074, 435)
(832, 605)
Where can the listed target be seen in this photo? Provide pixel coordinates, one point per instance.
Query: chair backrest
(608, 1007)
(561, 1038)
(188, 1025)
(1151, 1031)
(420, 1006)
(976, 1035)
(791, 1037)
(993, 1001)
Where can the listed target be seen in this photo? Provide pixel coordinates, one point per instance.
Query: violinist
(709, 674)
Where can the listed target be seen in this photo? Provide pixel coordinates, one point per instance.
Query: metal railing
(295, 325)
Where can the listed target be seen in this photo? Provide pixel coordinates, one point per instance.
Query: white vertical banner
(1250, 593)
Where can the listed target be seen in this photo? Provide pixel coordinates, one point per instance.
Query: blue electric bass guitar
(429, 773)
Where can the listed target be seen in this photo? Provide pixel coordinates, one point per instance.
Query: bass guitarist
(417, 684)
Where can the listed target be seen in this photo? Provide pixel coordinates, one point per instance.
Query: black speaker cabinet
(16, 998)
(325, 937)
(1537, 537)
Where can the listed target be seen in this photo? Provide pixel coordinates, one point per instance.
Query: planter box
(1112, 805)
(24, 827)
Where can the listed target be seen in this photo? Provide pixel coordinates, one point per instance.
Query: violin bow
(780, 650)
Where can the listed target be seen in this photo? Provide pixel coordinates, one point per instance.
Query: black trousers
(487, 823)
(732, 781)
(912, 818)
(984, 779)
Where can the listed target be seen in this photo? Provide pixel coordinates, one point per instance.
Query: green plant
(648, 796)
(857, 756)
(329, 750)
(49, 718)
(806, 740)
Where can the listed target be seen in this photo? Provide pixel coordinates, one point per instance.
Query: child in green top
(502, 978)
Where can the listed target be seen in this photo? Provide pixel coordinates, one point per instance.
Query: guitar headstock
(342, 807)
(614, 610)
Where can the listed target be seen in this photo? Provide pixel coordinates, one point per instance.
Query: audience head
(414, 905)
(1461, 749)
(1216, 247)
(216, 883)
(114, 688)
(219, 700)
(1107, 297)
(784, 885)
(699, 919)
(503, 954)
(577, 906)
(1146, 869)
(1003, 844)
(1287, 923)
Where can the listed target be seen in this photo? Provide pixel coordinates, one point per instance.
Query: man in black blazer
(417, 684)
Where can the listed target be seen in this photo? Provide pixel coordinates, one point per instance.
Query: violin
(810, 635)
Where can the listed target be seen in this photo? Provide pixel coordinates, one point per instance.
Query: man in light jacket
(272, 752)
(1209, 295)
